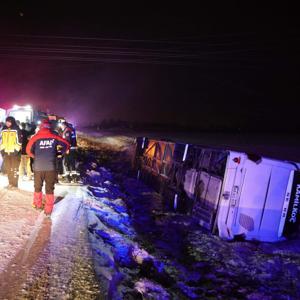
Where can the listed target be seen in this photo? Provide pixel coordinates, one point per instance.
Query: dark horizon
(232, 68)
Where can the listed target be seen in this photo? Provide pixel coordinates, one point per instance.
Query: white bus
(234, 194)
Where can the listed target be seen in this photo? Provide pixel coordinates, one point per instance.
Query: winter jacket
(43, 148)
(11, 140)
(25, 137)
(69, 134)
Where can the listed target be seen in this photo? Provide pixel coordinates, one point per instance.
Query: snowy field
(178, 259)
(279, 146)
(112, 238)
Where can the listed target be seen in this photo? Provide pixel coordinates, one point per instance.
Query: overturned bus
(233, 194)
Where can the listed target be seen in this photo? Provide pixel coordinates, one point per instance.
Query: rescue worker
(68, 133)
(59, 163)
(11, 143)
(42, 147)
(25, 166)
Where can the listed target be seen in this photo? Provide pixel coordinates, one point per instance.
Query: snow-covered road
(18, 222)
(45, 258)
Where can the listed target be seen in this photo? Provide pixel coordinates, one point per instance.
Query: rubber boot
(49, 204)
(37, 200)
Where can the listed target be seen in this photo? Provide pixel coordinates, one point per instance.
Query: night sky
(210, 67)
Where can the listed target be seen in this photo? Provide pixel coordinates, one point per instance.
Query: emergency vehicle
(234, 194)
(26, 114)
(2, 115)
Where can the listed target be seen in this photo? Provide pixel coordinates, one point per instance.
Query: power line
(116, 51)
(68, 37)
(183, 40)
(195, 55)
(126, 61)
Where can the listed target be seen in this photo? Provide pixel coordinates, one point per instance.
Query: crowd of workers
(45, 153)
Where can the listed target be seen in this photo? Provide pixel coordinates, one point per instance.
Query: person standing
(69, 134)
(42, 147)
(11, 143)
(25, 159)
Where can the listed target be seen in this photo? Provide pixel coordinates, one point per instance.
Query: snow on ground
(124, 268)
(119, 228)
(274, 145)
(143, 250)
(17, 221)
(44, 258)
(98, 140)
(64, 268)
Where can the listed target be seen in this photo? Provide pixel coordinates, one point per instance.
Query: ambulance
(26, 114)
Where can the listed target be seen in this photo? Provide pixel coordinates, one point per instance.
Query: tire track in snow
(15, 274)
(64, 269)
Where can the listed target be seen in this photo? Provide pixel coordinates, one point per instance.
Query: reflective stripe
(175, 201)
(185, 152)
(143, 145)
(10, 141)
